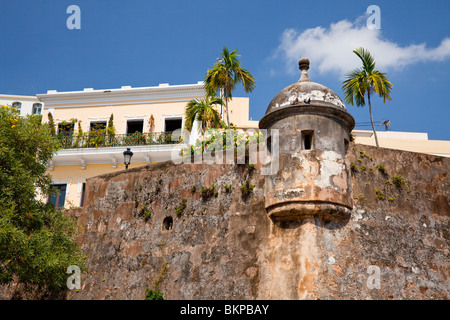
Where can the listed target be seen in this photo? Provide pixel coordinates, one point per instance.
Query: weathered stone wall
(223, 245)
(210, 251)
(399, 233)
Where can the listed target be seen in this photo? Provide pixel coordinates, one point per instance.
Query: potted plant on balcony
(96, 137)
(111, 131)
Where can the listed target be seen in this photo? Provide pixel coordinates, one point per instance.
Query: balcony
(96, 139)
(99, 148)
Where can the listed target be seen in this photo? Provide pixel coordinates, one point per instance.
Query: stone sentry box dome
(314, 134)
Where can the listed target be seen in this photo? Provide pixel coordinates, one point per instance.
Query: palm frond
(223, 76)
(364, 81)
(354, 87)
(366, 58)
(381, 85)
(203, 111)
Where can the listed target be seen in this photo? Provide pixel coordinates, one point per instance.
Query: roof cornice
(112, 93)
(17, 97)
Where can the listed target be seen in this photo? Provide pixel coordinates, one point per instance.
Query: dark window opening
(65, 133)
(83, 192)
(65, 129)
(58, 198)
(97, 125)
(135, 126)
(346, 143)
(172, 124)
(307, 139)
(269, 144)
(168, 223)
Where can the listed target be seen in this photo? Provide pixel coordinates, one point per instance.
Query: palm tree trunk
(228, 114)
(221, 105)
(371, 119)
(226, 91)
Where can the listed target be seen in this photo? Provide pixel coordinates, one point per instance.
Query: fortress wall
(224, 246)
(395, 245)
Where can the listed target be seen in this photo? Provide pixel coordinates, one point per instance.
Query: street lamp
(127, 157)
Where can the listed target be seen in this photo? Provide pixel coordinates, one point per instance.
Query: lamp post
(127, 157)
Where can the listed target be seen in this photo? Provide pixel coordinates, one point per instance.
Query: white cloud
(330, 49)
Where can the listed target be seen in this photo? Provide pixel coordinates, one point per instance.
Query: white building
(25, 104)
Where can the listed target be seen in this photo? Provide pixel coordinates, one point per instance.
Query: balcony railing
(95, 139)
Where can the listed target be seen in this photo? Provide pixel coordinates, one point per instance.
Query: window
(135, 126)
(17, 106)
(65, 129)
(307, 139)
(65, 133)
(172, 124)
(97, 125)
(83, 192)
(37, 108)
(58, 199)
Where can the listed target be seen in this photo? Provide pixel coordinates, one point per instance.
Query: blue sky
(144, 43)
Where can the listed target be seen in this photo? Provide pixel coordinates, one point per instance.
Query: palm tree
(203, 111)
(225, 74)
(366, 80)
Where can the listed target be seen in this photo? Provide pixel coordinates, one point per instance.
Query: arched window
(37, 108)
(17, 105)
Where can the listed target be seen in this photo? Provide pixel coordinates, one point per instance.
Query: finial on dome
(303, 65)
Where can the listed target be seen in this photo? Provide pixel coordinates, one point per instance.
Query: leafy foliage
(110, 129)
(225, 74)
(36, 241)
(145, 212)
(247, 189)
(365, 81)
(181, 207)
(208, 192)
(398, 180)
(216, 139)
(203, 111)
(51, 123)
(378, 194)
(153, 295)
(381, 168)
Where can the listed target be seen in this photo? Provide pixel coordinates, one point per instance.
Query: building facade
(24, 104)
(406, 141)
(143, 119)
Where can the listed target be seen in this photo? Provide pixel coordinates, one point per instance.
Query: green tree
(225, 74)
(51, 124)
(203, 111)
(80, 135)
(36, 240)
(111, 130)
(366, 80)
